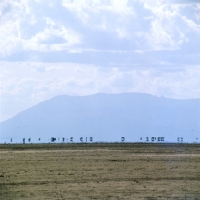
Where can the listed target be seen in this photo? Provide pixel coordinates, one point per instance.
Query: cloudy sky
(81, 47)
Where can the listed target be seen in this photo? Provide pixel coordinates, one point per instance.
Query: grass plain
(100, 171)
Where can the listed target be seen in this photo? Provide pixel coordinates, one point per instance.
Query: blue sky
(81, 47)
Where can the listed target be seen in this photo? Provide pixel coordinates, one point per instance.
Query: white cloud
(23, 29)
(82, 7)
(113, 24)
(53, 39)
(170, 29)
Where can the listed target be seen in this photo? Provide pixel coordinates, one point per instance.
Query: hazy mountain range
(106, 117)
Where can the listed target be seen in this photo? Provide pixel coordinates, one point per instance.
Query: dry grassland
(100, 171)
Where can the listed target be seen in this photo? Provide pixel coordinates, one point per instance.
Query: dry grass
(100, 171)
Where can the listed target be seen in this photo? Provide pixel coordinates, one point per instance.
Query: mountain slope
(107, 117)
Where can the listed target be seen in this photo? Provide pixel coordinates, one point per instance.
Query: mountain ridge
(107, 117)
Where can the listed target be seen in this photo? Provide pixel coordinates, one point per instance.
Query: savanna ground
(100, 171)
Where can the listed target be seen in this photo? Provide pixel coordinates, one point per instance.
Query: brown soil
(100, 171)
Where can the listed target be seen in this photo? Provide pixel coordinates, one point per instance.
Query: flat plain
(100, 171)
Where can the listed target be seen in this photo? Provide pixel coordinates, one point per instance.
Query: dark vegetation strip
(136, 180)
(141, 147)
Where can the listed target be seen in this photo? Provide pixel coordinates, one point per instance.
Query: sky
(82, 47)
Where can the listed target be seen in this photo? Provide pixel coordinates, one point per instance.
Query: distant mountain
(106, 117)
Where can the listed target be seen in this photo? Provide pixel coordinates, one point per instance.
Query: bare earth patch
(100, 171)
